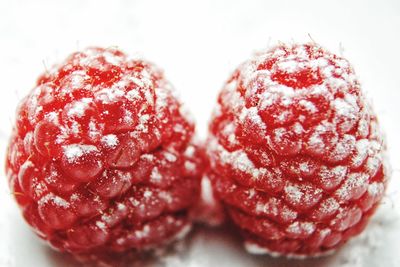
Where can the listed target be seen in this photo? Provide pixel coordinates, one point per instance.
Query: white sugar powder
(79, 107)
(54, 199)
(75, 151)
(110, 140)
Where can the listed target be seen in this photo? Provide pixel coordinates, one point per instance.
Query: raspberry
(295, 152)
(102, 157)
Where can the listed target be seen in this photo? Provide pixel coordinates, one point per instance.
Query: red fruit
(295, 153)
(98, 159)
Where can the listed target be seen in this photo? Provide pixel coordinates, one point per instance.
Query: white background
(198, 44)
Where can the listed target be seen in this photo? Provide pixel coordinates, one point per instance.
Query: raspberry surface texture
(102, 157)
(295, 151)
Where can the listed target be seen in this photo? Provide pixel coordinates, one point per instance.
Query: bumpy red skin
(296, 156)
(101, 158)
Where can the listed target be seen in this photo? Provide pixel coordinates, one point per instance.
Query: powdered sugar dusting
(101, 225)
(58, 201)
(329, 206)
(155, 175)
(293, 193)
(306, 228)
(109, 95)
(353, 187)
(143, 233)
(78, 108)
(75, 151)
(110, 140)
(237, 159)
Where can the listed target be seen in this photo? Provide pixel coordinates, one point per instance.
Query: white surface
(198, 44)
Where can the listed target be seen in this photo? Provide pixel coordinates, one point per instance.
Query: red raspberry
(295, 152)
(101, 158)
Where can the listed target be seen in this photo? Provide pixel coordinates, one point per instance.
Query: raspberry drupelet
(295, 151)
(102, 157)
